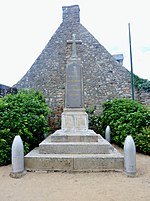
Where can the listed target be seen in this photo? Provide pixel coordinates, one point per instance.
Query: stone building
(4, 90)
(119, 58)
(103, 77)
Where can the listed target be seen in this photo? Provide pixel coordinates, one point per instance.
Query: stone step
(73, 162)
(82, 136)
(74, 148)
(100, 147)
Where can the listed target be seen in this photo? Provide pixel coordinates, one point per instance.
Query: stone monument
(74, 117)
(74, 147)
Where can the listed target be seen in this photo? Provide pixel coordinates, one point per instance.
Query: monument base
(74, 151)
(74, 148)
(74, 162)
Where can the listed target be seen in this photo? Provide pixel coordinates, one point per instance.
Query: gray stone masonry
(103, 77)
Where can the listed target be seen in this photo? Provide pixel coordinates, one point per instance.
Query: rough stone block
(98, 162)
(47, 162)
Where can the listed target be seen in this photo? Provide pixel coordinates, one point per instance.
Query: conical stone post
(107, 133)
(17, 158)
(129, 156)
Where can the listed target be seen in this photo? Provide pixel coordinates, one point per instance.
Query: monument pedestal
(74, 119)
(74, 148)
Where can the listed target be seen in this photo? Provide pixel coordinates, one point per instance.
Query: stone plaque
(73, 97)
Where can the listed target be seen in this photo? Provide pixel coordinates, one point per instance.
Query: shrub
(22, 114)
(127, 117)
(141, 84)
(142, 139)
(94, 119)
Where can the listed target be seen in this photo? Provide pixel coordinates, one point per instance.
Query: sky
(28, 25)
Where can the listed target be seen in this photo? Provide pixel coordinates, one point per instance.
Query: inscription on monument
(73, 86)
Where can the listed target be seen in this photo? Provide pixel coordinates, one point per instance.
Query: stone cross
(74, 78)
(74, 48)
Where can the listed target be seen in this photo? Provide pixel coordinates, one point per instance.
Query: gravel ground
(102, 186)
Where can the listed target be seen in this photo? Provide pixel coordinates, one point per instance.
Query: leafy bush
(125, 117)
(22, 114)
(141, 84)
(94, 119)
(143, 140)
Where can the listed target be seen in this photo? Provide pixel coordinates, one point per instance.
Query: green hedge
(22, 114)
(141, 84)
(125, 117)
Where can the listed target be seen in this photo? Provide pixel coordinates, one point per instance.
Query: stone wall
(103, 77)
(144, 98)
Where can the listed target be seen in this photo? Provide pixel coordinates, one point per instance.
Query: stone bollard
(17, 158)
(107, 133)
(129, 156)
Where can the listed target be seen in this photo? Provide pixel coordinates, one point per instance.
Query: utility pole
(132, 76)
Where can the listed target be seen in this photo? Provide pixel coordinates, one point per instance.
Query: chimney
(71, 14)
